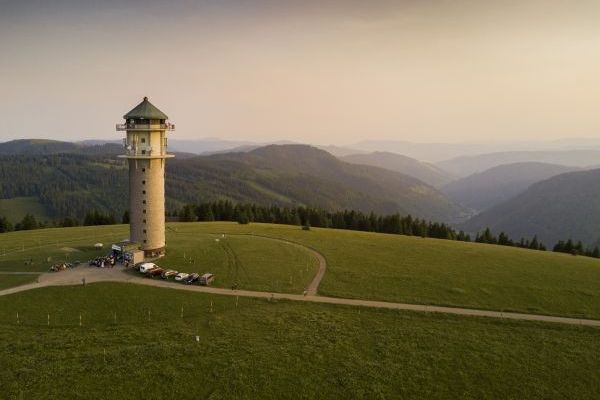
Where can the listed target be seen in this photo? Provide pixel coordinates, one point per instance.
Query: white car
(181, 276)
(145, 267)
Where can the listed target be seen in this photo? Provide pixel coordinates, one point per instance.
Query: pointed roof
(145, 110)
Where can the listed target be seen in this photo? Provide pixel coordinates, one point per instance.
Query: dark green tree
(5, 225)
(27, 223)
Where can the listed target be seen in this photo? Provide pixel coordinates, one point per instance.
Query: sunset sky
(309, 71)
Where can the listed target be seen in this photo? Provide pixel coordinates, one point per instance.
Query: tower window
(143, 192)
(144, 231)
(144, 211)
(144, 221)
(145, 241)
(143, 201)
(143, 140)
(143, 169)
(143, 151)
(143, 182)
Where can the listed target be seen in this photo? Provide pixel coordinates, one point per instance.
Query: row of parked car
(152, 270)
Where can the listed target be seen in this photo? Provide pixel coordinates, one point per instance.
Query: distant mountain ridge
(426, 172)
(486, 189)
(467, 165)
(564, 206)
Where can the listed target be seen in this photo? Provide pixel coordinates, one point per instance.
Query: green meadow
(360, 265)
(7, 281)
(431, 271)
(142, 342)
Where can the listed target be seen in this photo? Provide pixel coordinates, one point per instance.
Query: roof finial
(145, 98)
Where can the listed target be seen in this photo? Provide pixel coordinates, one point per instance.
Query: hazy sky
(311, 71)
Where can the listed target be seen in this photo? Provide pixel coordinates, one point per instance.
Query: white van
(145, 267)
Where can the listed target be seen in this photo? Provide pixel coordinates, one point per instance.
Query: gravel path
(117, 274)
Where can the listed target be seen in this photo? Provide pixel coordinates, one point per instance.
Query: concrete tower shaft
(146, 151)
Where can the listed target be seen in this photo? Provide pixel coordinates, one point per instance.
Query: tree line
(224, 210)
(29, 222)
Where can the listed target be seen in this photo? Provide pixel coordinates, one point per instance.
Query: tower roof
(145, 110)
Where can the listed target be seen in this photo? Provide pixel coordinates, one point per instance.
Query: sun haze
(308, 71)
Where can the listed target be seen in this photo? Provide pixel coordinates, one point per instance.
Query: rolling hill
(486, 189)
(288, 175)
(426, 172)
(305, 175)
(564, 206)
(270, 348)
(464, 166)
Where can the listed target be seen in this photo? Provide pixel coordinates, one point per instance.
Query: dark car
(155, 272)
(191, 279)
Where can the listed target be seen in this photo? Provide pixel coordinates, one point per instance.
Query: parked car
(145, 267)
(138, 265)
(181, 276)
(206, 279)
(155, 272)
(191, 279)
(168, 273)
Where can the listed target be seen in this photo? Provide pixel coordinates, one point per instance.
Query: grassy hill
(483, 190)
(110, 340)
(286, 175)
(426, 172)
(564, 206)
(360, 265)
(276, 350)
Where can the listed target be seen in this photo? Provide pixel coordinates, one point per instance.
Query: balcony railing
(145, 127)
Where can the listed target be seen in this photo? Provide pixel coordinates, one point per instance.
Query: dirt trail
(117, 274)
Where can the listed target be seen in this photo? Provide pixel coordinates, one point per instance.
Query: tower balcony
(144, 151)
(145, 127)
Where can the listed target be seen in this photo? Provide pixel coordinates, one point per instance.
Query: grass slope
(360, 265)
(276, 350)
(248, 262)
(253, 263)
(430, 271)
(7, 281)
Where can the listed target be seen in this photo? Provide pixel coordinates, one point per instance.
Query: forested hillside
(288, 175)
(486, 189)
(426, 172)
(564, 206)
(46, 147)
